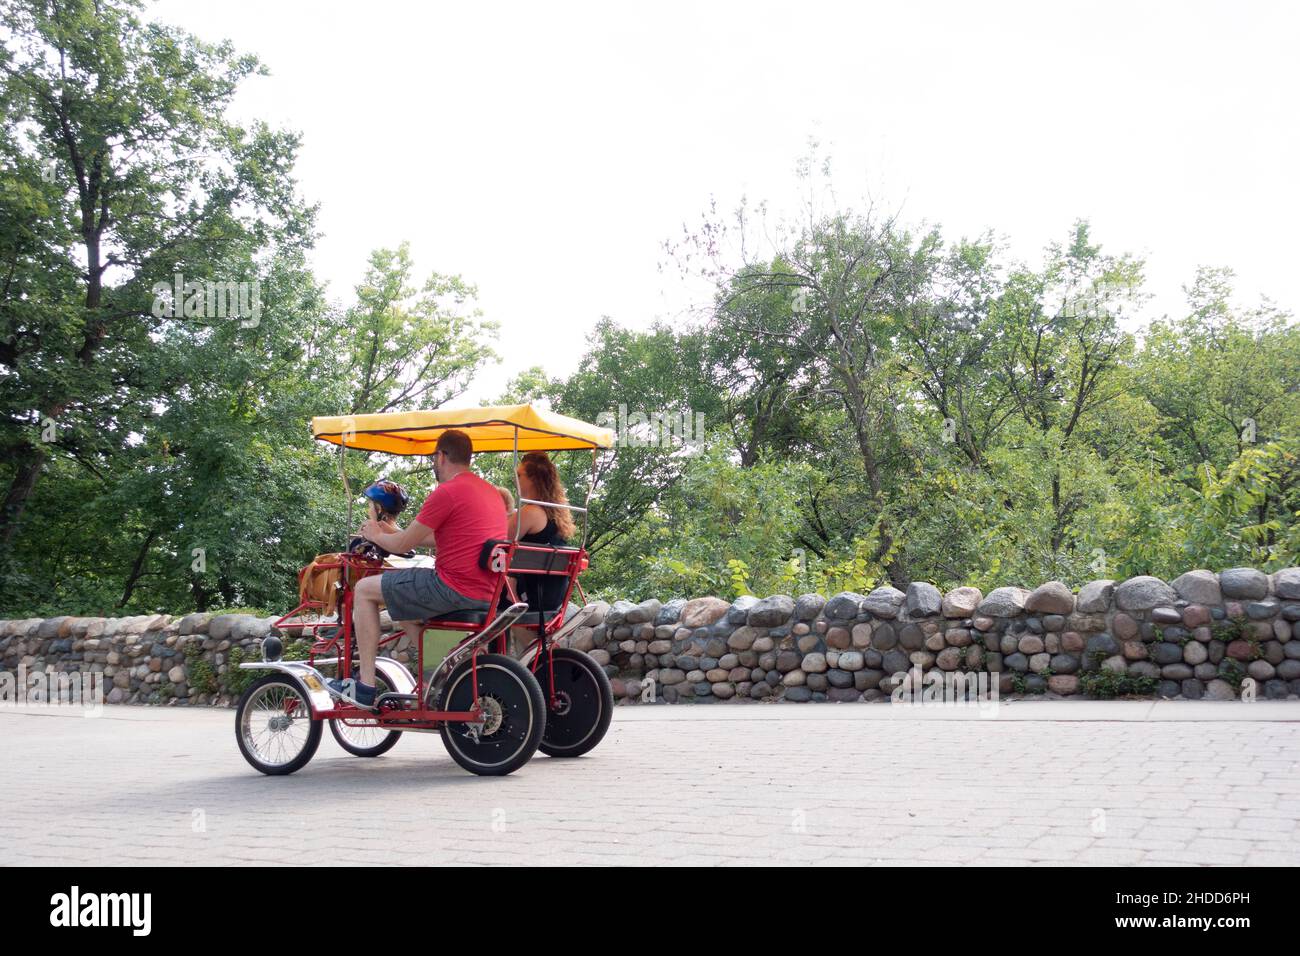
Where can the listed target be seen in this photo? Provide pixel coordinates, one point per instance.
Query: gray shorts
(414, 594)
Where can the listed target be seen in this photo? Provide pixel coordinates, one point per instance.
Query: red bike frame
(337, 647)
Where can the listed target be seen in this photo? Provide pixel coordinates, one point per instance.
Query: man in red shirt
(458, 516)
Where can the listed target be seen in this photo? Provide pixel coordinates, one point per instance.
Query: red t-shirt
(463, 513)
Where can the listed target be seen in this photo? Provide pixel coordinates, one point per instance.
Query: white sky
(545, 151)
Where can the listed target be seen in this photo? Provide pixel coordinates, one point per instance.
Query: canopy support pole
(514, 471)
(347, 487)
(586, 504)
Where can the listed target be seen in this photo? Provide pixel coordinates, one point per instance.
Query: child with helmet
(385, 500)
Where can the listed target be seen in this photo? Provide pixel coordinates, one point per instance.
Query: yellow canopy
(489, 428)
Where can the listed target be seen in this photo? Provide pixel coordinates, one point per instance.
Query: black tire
(265, 698)
(520, 712)
(585, 707)
(357, 749)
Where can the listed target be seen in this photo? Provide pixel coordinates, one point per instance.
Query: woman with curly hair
(539, 524)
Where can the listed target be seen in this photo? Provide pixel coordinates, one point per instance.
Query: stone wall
(1203, 635)
(154, 658)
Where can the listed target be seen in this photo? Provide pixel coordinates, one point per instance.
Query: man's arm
(415, 535)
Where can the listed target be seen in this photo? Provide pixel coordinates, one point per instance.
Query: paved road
(1066, 782)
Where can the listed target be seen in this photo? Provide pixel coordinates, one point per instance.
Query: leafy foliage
(878, 403)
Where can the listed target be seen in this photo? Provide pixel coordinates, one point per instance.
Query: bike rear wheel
(581, 702)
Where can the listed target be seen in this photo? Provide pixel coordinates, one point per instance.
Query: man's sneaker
(353, 691)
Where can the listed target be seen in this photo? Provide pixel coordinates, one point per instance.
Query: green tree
(412, 346)
(120, 172)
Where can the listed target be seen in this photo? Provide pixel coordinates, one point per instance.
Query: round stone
(1289, 670)
(1050, 598)
(1031, 644)
(949, 659)
(1134, 651)
(961, 602)
(771, 611)
(958, 636)
(923, 600)
(1198, 587)
(1095, 597)
(843, 606)
(808, 606)
(911, 637)
(1247, 583)
(1064, 663)
(839, 678)
(1261, 670)
(809, 643)
(1220, 690)
(851, 661)
(894, 662)
(1241, 650)
(1164, 653)
(1004, 602)
(1101, 644)
(1144, 592)
(814, 663)
(1124, 626)
(1063, 684)
(884, 637)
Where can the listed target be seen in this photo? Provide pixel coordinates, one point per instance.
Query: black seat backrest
(547, 584)
(530, 557)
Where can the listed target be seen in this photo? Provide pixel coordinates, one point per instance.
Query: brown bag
(316, 583)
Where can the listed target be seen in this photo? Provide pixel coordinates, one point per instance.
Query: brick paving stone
(734, 785)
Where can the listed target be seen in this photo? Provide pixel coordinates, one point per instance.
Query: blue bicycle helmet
(389, 495)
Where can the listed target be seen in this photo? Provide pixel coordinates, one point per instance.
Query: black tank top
(550, 535)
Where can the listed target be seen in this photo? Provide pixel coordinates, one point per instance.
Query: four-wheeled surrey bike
(493, 711)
